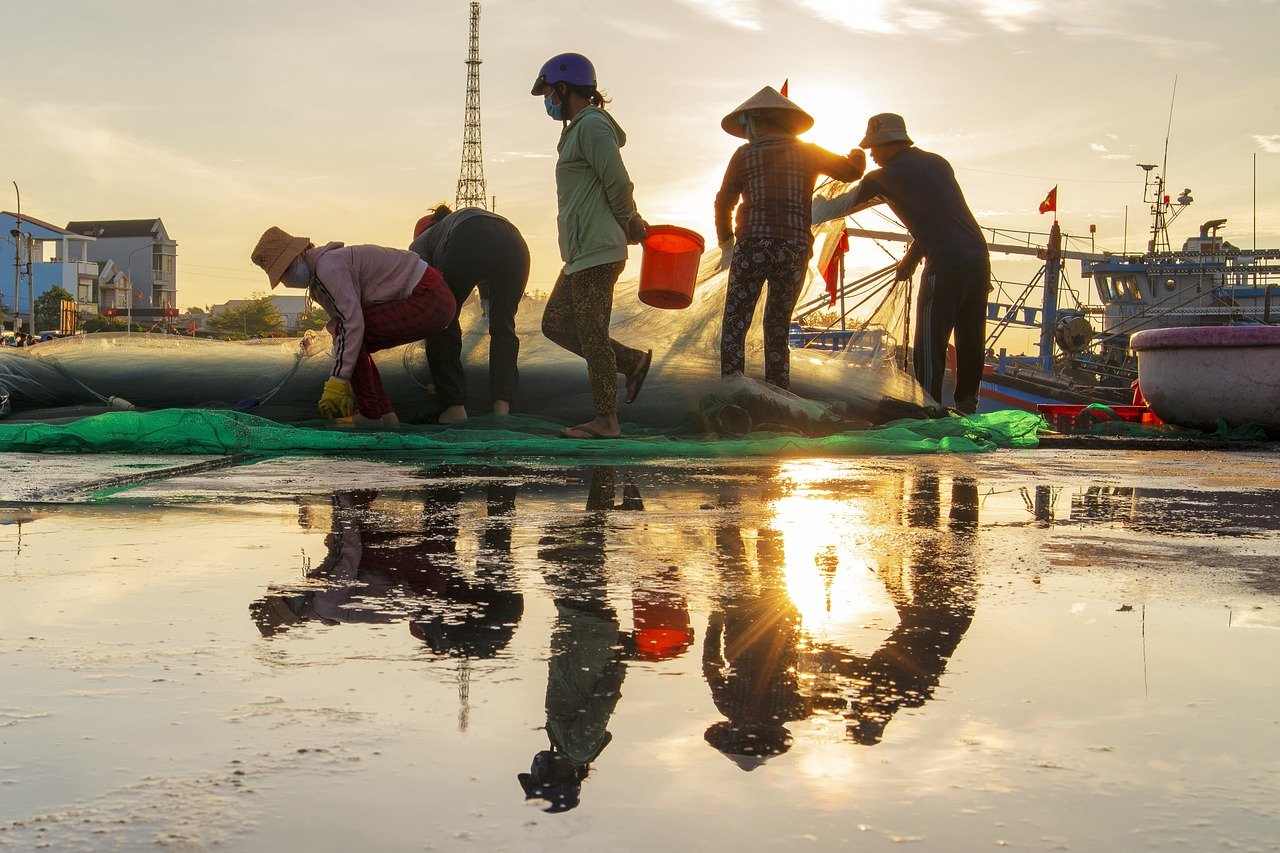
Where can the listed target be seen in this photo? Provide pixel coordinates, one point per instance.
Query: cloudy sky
(343, 121)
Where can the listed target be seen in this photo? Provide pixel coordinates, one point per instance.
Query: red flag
(191, 330)
(1050, 201)
(783, 90)
(831, 273)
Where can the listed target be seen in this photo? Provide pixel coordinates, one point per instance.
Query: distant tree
(49, 308)
(257, 316)
(313, 318)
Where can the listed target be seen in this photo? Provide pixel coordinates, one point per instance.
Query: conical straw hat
(783, 110)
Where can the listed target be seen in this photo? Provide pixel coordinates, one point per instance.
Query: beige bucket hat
(276, 249)
(885, 127)
(769, 100)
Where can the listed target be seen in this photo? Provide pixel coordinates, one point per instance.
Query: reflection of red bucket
(662, 625)
(669, 266)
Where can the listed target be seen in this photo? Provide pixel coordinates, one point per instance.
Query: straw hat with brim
(276, 249)
(779, 109)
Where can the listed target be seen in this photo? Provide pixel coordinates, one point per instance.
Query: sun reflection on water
(825, 535)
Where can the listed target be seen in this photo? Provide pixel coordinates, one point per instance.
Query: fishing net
(855, 373)
(207, 431)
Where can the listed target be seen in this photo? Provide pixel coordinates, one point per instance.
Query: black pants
(952, 300)
(490, 254)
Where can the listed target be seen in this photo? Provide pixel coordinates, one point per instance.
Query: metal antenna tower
(471, 188)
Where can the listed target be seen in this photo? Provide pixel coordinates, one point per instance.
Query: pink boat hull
(1192, 376)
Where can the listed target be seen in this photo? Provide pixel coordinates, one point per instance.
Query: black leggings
(488, 253)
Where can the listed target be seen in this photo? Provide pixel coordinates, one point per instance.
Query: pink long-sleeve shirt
(350, 277)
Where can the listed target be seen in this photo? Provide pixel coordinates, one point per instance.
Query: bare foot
(389, 421)
(452, 415)
(501, 407)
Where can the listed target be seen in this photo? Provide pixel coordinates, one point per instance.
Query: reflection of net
(866, 380)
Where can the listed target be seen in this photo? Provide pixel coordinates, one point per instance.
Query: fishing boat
(1084, 353)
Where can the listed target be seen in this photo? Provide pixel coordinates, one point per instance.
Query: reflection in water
(588, 648)
(1219, 513)
(935, 603)
(767, 665)
(395, 560)
(790, 587)
(750, 657)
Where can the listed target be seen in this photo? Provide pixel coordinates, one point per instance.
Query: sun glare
(839, 113)
(827, 578)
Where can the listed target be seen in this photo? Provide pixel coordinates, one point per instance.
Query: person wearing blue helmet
(596, 219)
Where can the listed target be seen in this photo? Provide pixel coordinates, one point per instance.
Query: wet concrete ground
(1042, 650)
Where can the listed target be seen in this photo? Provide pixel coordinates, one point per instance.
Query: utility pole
(31, 288)
(471, 188)
(17, 259)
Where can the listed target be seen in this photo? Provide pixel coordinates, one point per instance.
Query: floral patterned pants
(782, 263)
(577, 318)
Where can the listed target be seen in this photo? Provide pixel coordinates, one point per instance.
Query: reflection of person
(935, 607)
(588, 650)
(921, 188)
(597, 218)
(774, 175)
(381, 569)
(477, 617)
(750, 656)
(474, 248)
(376, 298)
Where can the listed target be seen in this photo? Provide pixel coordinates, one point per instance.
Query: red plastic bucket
(669, 266)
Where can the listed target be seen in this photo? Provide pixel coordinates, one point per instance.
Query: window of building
(162, 263)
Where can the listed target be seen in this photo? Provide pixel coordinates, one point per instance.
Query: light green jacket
(593, 191)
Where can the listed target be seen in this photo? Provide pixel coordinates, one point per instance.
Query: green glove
(338, 400)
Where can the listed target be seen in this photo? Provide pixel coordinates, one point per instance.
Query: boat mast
(1052, 256)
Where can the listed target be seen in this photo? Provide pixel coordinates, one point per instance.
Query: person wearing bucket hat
(596, 220)
(376, 297)
(475, 249)
(921, 188)
(773, 175)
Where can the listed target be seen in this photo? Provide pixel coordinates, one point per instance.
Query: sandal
(635, 381)
(587, 433)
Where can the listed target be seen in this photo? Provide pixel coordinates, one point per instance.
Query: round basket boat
(1192, 376)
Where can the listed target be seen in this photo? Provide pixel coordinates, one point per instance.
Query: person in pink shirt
(376, 298)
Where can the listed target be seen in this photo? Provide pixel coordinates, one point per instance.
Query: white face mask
(297, 274)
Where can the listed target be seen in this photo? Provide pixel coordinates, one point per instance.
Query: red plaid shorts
(421, 314)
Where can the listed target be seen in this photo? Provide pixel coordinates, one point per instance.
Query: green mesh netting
(1100, 419)
(203, 431)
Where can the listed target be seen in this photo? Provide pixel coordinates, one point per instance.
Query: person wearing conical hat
(376, 298)
(773, 176)
(921, 189)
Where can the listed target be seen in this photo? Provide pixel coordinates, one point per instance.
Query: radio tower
(471, 188)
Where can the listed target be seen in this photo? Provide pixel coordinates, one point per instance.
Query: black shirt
(921, 189)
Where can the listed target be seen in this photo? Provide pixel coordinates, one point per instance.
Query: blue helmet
(572, 68)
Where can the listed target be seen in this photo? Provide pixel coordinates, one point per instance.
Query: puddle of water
(960, 652)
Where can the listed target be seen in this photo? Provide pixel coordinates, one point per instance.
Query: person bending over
(474, 248)
(376, 297)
